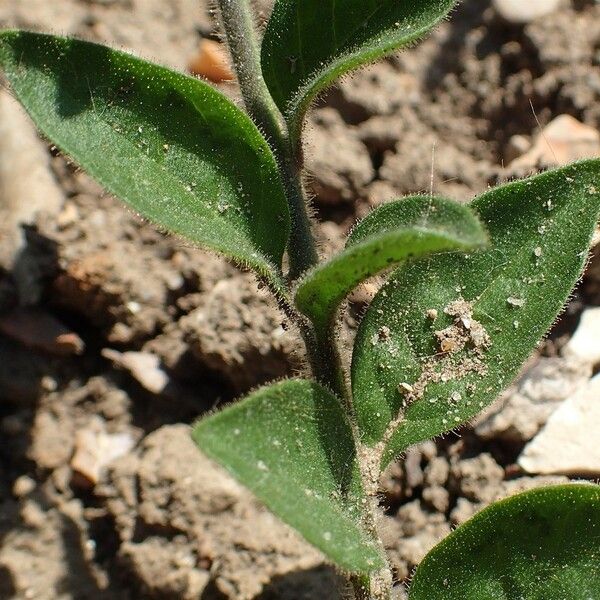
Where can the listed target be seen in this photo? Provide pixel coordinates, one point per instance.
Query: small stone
(143, 366)
(568, 443)
(432, 314)
(95, 449)
(33, 515)
(52, 439)
(463, 511)
(524, 11)
(448, 345)
(437, 497)
(436, 472)
(476, 478)
(67, 216)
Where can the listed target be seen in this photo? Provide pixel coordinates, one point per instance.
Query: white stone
(524, 11)
(585, 343)
(526, 407)
(95, 449)
(563, 141)
(569, 443)
(143, 366)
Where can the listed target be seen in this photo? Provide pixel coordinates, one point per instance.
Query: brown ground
(162, 522)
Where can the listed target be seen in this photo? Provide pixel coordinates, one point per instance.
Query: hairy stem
(375, 586)
(322, 350)
(238, 23)
(361, 586)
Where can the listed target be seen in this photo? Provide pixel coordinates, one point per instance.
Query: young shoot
(438, 343)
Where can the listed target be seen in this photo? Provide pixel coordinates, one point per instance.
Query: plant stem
(238, 23)
(323, 353)
(375, 586)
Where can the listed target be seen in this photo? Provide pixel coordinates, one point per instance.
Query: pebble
(517, 146)
(33, 517)
(524, 11)
(568, 443)
(143, 366)
(95, 449)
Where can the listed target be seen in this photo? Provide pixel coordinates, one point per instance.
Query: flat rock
(585, 343)
(524, 11)
(568, 443)
(563, 141)
(526, 407)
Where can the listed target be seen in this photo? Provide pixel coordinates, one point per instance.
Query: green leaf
(291, 445)
(392, 233)
(539, 545)
(308, 44)
(172, 147)
(427, 375)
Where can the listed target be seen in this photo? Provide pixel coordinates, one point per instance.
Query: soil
(133, 335)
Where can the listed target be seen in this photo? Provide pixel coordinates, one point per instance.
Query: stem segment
(242, 39)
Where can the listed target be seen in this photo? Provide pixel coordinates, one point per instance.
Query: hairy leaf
(308, 44)
(172, 147)
(291, 445)
(392, 233)
(541, 544)
(445, 335)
